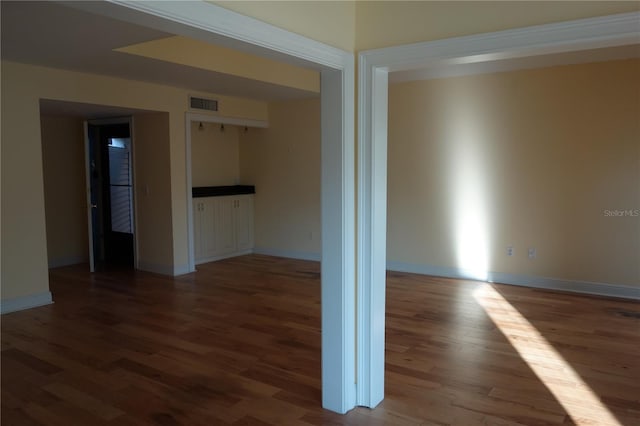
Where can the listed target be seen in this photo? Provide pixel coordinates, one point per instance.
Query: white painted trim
(224, 256)
(156, 268)
(87, 182)
(26, 302)
(337, 106)
(606, 31)
(172, 271)
(191, 256)
(212, 23)
(372, 224)
(243, 122)
(290, 254)
(547, 283)
(374, 66)
(517, 64)
(134, 193)
(111, 120)
(181, 270)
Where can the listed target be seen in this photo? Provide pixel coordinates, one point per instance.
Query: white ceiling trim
(208, 118)
(231, 29)
(593, 33)
(516, 64)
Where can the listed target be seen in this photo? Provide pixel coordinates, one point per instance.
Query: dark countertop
(218, 191)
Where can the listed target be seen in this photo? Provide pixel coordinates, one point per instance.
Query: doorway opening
(509, 46)
(215, 24)
(110, 196)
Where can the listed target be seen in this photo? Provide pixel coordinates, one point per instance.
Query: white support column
(338, 243)
(372, 235)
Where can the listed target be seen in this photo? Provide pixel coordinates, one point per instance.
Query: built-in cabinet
(223, 227)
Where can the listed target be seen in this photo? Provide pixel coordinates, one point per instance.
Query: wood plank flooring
(238, 343)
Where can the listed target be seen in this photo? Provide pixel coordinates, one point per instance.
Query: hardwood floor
(238, 343)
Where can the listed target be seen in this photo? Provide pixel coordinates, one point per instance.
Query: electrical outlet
(509, 251)
(532, 253)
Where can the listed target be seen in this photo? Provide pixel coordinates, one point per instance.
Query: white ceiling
(54, 35)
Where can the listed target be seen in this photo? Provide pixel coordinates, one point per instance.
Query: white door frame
(208, 22)
(87, 181)
(374, 66)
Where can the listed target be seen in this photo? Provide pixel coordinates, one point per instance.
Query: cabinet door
(244, 222)
(197, 229)
(224, 226)
(207, 229)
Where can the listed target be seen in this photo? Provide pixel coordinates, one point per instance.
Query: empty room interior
(187, 236)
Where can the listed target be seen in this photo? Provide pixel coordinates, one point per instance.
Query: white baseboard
(66, 261)
(288, 253)
(155, 268)
(585, 287)
(25, 302)
(224, 256)
(181, 270)
(172, 271)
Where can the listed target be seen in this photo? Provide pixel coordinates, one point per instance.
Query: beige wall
(390, 23)
(65, 198)
(151, 147)
(529, 159)
(64, 190)
(24, 257)
(215, 155)
(283, 162)
(24, 247)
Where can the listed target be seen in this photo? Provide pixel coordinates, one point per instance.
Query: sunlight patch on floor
(576, 397)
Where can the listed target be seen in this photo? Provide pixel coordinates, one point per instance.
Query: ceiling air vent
(202, 103)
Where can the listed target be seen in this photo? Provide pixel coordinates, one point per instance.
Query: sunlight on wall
(469, 195)
(575, 396)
